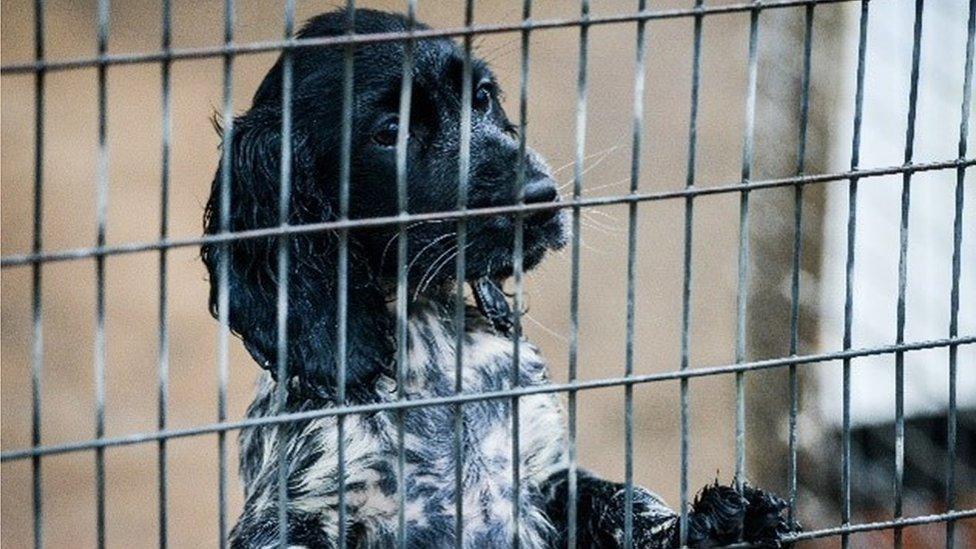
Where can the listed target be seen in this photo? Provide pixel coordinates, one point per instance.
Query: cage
(767, 274)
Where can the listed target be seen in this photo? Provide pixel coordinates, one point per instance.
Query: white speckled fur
(368, 442)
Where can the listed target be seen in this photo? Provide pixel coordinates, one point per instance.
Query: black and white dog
(372, 491)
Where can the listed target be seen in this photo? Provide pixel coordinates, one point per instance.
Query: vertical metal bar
(403, 135)
(223, 284)
(637, 133)
(163, 336)
(849, 274)
(578, 169)
(953, 419)
(517, 271)
(906, 190)
(801, 155)
(687, 266)
(460, 307)
(742, 288)
(342, 292)
(284, 243)
(101, 208)
(37, 319)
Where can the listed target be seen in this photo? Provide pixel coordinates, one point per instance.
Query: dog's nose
(541, 189)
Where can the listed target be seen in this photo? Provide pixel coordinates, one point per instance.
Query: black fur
(720, 514)
(432, 182)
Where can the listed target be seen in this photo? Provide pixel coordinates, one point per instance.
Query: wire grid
(38, 256)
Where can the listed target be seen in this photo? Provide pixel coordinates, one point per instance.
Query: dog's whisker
(545, 328)
(386, 248)
(585, 171)
(433, 269)
(610, 232)
(593, 223)
(434, 263)
(606, 185)
(603, 213)
(606, 232)
(437, 265)
(429, 245)
(603, 152)
(502, 50)
(423, 287)
(582, 241)
(586, 246)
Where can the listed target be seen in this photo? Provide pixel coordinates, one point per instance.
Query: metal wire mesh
(38, 256)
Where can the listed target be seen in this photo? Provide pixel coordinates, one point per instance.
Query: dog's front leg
(601, 511)
(304, 530)
(720, 515)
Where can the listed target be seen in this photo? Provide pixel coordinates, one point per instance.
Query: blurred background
(132, 298)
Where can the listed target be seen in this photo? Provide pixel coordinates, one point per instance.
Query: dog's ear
(312, 277)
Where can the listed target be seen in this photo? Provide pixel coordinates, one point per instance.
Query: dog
(371, 483)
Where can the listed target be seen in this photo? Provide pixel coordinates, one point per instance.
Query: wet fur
(372, 490)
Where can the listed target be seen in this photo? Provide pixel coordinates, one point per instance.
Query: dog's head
(498, 174)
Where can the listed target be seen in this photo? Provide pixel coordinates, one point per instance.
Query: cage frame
(39, 256)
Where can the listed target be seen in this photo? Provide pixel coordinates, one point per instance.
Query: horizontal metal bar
(421, 34)
(736, 187)
(139, 438)
(868, 527)
(883, 525)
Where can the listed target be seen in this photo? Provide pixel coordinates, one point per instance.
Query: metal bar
(223, 277)
(953, 417)
(17, 260)
(578, 169)
(849, 274)
(899, 480)
(342, 290)
(687, 276)
(602, 383)
(865, 527)
(460, 304)
(37, 317)
(801, 155)
(421, 34)
(742, 287)
(283, 269)
(517, 275)
(402, 327)
(101, 209)
(885, 525)
(635, 159)
(163, 335)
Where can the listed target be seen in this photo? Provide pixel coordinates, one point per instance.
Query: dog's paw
(722, 515)
(653, 521)
(765, 521)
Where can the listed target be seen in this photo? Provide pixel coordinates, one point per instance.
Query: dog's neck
(432, 349)
(488, 299)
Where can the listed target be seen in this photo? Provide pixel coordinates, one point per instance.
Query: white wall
(879, 201)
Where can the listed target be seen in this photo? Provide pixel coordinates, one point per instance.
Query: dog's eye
(387, 133)
(482, 96)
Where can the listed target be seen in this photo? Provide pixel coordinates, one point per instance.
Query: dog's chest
(432, 435)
